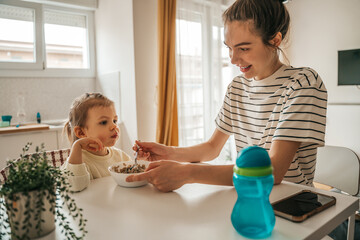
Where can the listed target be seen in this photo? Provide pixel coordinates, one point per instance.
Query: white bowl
(120, 178)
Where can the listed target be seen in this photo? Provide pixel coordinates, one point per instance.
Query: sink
(55, 123)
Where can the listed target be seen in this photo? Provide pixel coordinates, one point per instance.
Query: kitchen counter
(13, 139)
(56, 124)
(24, 128)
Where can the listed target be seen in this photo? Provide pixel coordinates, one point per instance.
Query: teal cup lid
(253, 161)
(6, 118)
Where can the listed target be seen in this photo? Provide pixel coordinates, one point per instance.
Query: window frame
(38, 68)
(210, 87)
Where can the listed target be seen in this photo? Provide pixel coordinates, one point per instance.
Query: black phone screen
(302, 203)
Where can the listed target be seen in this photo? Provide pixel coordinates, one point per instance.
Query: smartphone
(302, 205)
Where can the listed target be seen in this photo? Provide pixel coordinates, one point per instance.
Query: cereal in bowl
(129, 168)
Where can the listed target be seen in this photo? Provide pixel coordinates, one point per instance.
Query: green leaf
(32, 172)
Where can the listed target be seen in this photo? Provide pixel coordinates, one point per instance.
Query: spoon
(136, 155)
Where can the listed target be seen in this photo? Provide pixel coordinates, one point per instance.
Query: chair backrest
(338, 167)
(55, 158)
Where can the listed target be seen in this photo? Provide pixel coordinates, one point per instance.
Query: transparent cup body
(253, 215)
(21, 114)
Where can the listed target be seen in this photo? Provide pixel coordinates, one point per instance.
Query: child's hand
(90, 144)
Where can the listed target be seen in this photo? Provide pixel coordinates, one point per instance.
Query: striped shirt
(288, 105)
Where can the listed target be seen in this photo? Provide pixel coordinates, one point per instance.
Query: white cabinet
(11, 145)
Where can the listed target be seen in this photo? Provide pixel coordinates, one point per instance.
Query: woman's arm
(211, 174)
(281, 154)
(202, 152)
(206, 151)
(170, 175)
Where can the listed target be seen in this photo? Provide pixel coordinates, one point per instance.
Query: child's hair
(269, 17)
(79, 110)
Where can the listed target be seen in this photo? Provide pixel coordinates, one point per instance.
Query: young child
(93, 131)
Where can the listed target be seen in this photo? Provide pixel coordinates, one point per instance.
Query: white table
(195, 211)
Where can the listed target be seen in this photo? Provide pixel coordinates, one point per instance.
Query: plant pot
(18, 210)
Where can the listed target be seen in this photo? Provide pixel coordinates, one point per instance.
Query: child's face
(247, 50)
(101, 123)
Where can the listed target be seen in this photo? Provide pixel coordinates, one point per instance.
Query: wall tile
(51, 97)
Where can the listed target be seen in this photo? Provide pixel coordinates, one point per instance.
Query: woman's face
(248, 52)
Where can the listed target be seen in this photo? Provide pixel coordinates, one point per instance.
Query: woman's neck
(274, 66)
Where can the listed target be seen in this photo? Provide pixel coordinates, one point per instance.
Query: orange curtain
(167, 120)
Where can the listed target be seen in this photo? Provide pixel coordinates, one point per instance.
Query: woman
(272, 105)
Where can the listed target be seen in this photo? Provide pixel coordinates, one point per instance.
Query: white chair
(339, 167)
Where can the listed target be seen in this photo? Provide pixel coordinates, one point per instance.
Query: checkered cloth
(55, 158)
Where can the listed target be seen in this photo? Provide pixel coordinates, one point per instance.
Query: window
(70, 48)
(190, 82)
(16, 46)
(42, 40)
(203, 72)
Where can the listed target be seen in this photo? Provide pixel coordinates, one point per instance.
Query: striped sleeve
(223, 120)
(303, 117)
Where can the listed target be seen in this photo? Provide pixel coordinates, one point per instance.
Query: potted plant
(32, 199)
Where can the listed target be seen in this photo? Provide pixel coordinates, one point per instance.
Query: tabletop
(194, 211)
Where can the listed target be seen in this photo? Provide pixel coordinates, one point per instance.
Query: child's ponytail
(67, 130)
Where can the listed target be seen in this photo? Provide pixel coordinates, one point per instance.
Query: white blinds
(16, 13)
(51, 17)
(88, 4)
(60, 18)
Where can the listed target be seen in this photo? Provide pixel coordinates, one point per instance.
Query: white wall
(115, 53)
(343, 126)
(51, 97)
(126, 42)
(319, 29)
(146, 66)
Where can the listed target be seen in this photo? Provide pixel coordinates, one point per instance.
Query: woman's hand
(152, 151)
(170, 175)
(198, 153)
(144, 156)
(164, 175)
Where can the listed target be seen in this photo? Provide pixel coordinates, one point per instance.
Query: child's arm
(89, 144)
(80, 177)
